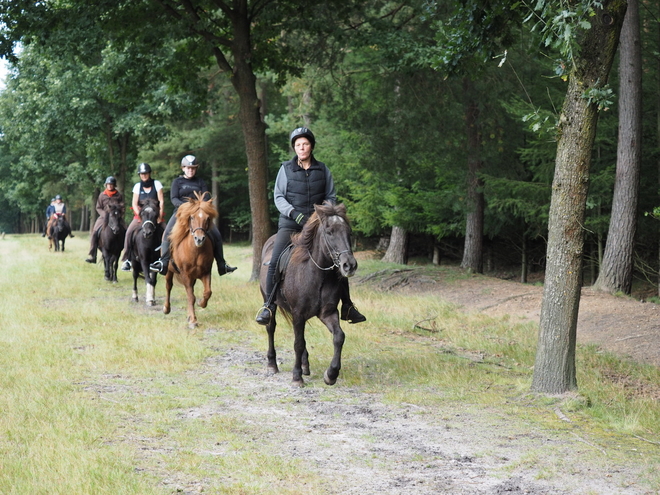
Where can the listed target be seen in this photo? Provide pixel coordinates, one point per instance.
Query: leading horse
(144, 246)
(111, 240)
(312, 285)
(191, 253)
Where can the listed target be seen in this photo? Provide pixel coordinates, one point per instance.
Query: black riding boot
(93, 247)
(161, 264)
(266, 311)
(218, 253)
(349, 312)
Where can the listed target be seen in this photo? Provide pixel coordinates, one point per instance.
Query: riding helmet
(111, 180)
(189, 161)
(144, 168)
(302, 132)
(58, 197)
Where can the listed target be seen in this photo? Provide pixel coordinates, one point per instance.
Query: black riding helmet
(189, 161)
(58, 197)
(302, 132)
(144, 168)
(111, 180)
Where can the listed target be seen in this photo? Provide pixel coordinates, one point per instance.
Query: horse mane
(304, 240)
(191, 207)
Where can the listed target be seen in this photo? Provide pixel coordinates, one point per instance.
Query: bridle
(332, 252)
(192, 231)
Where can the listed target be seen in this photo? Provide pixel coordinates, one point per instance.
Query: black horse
(111, 240)
(59, 231)
(312, 285)
(143, 252)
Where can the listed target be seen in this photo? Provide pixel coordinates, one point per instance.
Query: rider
(108, 196)
(49, 213)
(183, 188)
(147, 188)
(301, 183)
(59, 210)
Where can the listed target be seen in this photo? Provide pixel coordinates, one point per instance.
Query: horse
(145, 242)
(312, 285)
(111, 240)
(191, 253)
(59, 230)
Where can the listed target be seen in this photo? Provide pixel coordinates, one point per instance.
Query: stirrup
(264, 315)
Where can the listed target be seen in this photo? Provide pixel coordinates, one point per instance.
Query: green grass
(94, 388)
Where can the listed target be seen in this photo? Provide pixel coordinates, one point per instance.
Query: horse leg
(190, 291)
(168, 289)
(151, 291)
(338, 336)
(271, 355)
(135, 279)
(63, 244)
(305, 363)
(115, 267)
(206, 295)
(299, 347)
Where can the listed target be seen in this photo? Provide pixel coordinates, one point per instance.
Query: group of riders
(301, 183)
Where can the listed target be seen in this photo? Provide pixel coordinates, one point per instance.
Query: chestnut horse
(312, 285)
(191, 253)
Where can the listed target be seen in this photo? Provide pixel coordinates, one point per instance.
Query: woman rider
(109, 196)
(301, 183)
(147, 188)
(183, 188)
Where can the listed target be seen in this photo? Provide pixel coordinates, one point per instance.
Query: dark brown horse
(145, 241)
(312, 285)
(58, 231)
(191, 253)
(111, 240)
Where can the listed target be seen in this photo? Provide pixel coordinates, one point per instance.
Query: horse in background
(312, 285)
(144, 243)
(111, 240)
(191, 253)
(58, 231)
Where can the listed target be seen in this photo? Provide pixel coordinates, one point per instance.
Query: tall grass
(79, 362)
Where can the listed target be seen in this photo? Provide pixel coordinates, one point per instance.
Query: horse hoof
(272, 370)
(305, 370)
(297, 384)
(166, 310)
(192, 326)
(327, 379)
(150, 303)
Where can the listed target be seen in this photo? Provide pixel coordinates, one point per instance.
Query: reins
(334, 255)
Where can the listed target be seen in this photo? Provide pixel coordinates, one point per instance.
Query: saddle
(282, 263)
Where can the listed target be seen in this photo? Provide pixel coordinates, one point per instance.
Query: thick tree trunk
(474, 220)
(254, 132)
(397, 251)
(554, 369)
(616, 271)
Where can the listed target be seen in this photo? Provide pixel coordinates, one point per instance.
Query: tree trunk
(474, 220)
(554, 369)
(616, 271)
(398, 247)
(254, 131)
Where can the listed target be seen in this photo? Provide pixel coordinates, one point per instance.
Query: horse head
(113, 217)
(328, 236)
(198, 215)
(149, 217)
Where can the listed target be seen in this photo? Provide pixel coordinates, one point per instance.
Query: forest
(438, 118)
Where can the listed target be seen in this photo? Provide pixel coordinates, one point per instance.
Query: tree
(617, 267)
(591, 53)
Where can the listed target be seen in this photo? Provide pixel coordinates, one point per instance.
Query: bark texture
(617, 268)
(397, 250)
(474, 220)
(554, 370)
